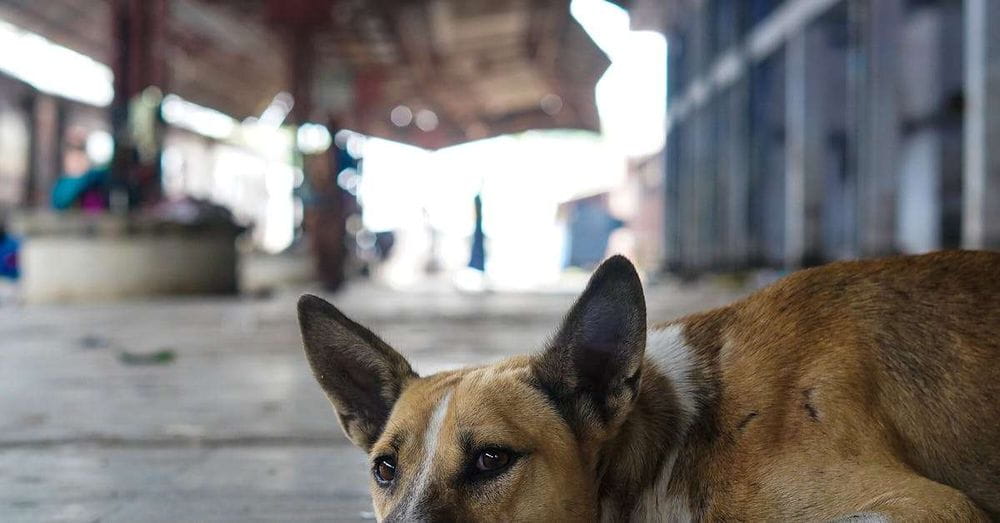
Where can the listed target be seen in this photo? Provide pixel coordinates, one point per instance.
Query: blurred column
(140, 71)
(876, 30)
(301, 59)
(673, 217)
(327, 209)
(738, 171)
(732, 102)
(698, 128)
(671, 201)
(325, 212)
(981, 192)
(686, 193)
(804, 125)
(46, 148)
(930, 195)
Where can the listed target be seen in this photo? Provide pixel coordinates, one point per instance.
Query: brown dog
(859, 390)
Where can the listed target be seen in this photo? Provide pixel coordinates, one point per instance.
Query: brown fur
(870, 381)
(549, 470)
(858, 388)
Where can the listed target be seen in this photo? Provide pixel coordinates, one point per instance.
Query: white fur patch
(659, 504)
(667, 349)
(669, 352)
(656, 502)
(423, 479)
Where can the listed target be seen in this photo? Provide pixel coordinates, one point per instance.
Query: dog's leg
(910, 497)
(837, 489)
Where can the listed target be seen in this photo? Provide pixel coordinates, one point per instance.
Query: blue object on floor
(8, 257)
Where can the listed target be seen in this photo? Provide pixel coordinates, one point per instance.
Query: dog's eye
(492, 460)
(384, 470)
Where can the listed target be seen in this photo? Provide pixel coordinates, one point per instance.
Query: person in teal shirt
(89, 190)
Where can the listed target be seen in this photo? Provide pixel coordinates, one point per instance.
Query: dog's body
(859, 389)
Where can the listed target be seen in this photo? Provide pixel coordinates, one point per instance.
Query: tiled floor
(231, 426)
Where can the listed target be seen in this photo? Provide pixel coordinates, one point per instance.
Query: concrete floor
(233, 427)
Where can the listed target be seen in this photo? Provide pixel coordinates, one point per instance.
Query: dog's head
(516, 440)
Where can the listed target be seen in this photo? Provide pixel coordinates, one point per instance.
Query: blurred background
(402, 142)
(489, 145)
(173, 173)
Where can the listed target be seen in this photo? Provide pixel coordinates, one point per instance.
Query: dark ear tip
(619, 261)
(309, 305)
(618, 266)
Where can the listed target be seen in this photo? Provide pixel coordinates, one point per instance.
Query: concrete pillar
(140, 80)
(876, 121)
(981, 191)
(804, 147)
(46, 149)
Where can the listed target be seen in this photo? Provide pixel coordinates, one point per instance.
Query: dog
(865, 390)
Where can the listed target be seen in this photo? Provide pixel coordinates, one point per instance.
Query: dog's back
(888, 363)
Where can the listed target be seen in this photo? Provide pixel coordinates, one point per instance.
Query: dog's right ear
(361, 374)
(592, 368)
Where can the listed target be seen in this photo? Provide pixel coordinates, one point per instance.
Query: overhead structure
(467, 69)
(428, 72)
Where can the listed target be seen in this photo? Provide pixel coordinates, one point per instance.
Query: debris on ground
(160, 357)
(93, 341)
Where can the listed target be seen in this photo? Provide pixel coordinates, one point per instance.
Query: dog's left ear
(361, 374)
(592, 367)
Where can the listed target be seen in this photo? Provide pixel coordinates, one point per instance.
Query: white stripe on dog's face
(440, 426)
(430, 446)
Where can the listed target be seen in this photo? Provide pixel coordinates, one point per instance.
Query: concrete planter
(74, 258)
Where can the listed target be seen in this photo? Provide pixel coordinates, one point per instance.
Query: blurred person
(477, 258)
(88, 191)
(384, 242)
(81, 184)
(472, 277)
(327, 208)
(433, 263)
(590, 227)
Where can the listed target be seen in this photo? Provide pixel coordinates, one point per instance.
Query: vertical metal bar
(981, 191)
(739, 172)
(796, 113)
(805, 127)
(876, 122)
